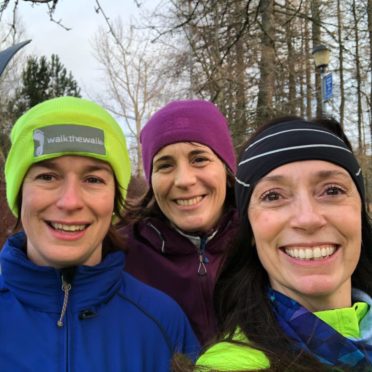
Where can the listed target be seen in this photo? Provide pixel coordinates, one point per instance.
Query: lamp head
(321, 56)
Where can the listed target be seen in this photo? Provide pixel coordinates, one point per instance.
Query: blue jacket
(112, 322)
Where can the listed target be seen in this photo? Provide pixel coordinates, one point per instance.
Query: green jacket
(227, 356)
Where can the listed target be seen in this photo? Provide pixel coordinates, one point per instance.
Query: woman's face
(306, 221)
(189, 184)
(67, 206)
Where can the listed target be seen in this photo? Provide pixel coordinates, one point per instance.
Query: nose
(308, 214)
(70, 196)
(184, 176)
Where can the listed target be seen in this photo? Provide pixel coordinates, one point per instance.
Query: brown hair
(146, 206)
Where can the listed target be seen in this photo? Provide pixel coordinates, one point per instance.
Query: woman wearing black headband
(295, 292)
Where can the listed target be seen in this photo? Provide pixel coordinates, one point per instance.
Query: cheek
(222, 188)
(106, 205)
(159, 186)
(30, 201)
(266, 227)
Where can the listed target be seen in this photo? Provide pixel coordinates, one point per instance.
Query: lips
(314, 253)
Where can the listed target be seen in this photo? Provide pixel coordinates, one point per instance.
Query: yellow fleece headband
(64, 126)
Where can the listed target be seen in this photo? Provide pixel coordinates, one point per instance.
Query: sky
(74, 47)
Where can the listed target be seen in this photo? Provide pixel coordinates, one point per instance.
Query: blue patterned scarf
(312, 335)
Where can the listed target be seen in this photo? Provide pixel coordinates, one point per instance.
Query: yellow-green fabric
(59, 115)
(345, 321)
(226, 356)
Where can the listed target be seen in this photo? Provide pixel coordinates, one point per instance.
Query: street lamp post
(321, 56)
(7, 54)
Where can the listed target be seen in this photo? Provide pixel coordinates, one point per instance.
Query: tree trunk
(370, 65)
(341, 61)
(315, 12)
(266, 64)
(308, 64)
(358, 77)
(292, 106)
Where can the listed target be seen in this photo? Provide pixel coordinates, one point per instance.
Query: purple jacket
(162, 257)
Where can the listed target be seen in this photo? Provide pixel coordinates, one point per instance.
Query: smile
(188, 202)
(313, 253)
(67, 228)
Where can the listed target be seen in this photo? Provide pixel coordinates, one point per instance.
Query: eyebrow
(170, 157)
(162, 158)
(89, 168)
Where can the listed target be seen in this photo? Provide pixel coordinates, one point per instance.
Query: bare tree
(50, 6)
(358, 76)
(267, 61)
(131, 78)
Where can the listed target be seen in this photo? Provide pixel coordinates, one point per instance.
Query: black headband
(286, 143)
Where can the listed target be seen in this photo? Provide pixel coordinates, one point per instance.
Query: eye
(270, 196)
(334, 190)
(162, 167)
(200, 160)
(45, 177)
(94, 180)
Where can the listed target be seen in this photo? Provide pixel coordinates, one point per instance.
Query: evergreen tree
(42, 80)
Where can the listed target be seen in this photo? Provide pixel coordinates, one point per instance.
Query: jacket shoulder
(163, 312)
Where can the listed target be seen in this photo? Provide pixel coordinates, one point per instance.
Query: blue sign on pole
(327, 87)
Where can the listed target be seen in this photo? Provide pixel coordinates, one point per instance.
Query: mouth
(189, 202)
(69, 228)
(315, 253)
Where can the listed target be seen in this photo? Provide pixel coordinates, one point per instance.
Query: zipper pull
(202, 270)
(66, 287)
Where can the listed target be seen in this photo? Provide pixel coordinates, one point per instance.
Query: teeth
(69, 228)
(314, 253)
(187, 202)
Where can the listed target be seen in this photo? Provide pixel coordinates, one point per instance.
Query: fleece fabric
(112, 322)
(353, 323)
(185, 267)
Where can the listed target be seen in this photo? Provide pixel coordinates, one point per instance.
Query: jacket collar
(163, 237)
(40, 286)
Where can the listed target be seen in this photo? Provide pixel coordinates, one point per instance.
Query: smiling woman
(179, 232)
(294, 293)
(53, 191)
(64, 297)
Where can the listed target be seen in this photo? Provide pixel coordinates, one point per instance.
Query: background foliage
(252, 58)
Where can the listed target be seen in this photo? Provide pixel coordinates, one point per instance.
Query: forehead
(72, 161)
(181, 148)
(307, 168)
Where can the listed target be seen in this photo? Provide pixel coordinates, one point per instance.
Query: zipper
(66, 287)
(203, 259)
(162, 249)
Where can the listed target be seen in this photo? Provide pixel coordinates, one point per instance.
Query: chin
(318, 290)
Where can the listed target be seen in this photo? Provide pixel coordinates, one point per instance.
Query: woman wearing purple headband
(179, 231)
(295, 292)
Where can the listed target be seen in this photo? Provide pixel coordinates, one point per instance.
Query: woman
(295, 293)
(179, 231)
(65, 302)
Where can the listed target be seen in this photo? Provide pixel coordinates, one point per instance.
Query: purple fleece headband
(187, 121)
